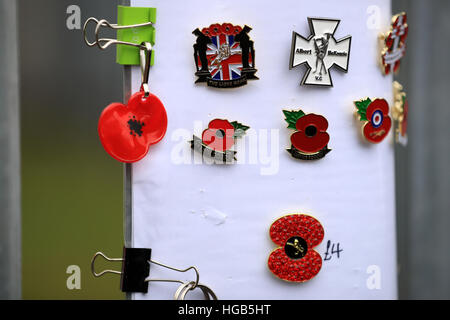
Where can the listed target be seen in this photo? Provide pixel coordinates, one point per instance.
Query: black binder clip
(136, 270)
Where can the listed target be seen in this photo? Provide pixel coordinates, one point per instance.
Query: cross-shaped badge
(320, 51)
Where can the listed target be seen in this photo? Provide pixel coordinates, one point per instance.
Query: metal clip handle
(145, 48)
(104, 43)
(104, 271)
(197, 275)
(194, 284)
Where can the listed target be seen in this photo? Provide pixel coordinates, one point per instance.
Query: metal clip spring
(145, 48)
(194, 284)
(107, 41)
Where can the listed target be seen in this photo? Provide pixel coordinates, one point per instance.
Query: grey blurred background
(422, 173)
(71, 190)
(54, 171)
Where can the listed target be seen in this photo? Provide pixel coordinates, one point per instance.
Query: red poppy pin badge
(400, 114)
(310, 141)
(393, 43)
(375, 117)
(296, 236)
(218, 139)
(127, 131)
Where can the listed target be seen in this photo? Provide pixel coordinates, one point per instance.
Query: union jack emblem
(224, 58)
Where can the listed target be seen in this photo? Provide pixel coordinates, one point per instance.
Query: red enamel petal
(317, 120)
(405, 17)
(225, 125)
(396, 66)
(216, 143)
(395, 22)
(209, 136)
(387, 69)
(377, 104)
(215, 29)
(309, 145)
(227, 28)
(300, 270)
(229, 142)
(300, 225)
(376, 135)
(205, 31)
(389, 41)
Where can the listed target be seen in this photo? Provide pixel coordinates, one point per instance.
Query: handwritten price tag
(333, 250)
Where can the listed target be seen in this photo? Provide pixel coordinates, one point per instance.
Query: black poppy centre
(135, 126)
(296, 247)
(311, 131)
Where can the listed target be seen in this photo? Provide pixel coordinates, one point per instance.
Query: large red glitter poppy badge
(127, 131)
(375, 115)
(296, 235)
(219, 138)
(310, 141)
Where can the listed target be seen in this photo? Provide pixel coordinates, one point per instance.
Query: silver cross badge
(320, 51)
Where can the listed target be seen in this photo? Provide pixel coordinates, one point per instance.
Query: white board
(217, 217)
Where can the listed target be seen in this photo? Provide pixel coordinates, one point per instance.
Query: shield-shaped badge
(224, 55)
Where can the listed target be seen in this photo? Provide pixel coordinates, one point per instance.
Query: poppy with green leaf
(218, 139)
(310, 142)
(375, 114)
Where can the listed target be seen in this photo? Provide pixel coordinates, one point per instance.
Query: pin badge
(224, 55)
(127, 131)
(375, 116)
(296, 236)
(394, 47)
(219, 138)
(320, 52)
(310, 141)
(400, 114)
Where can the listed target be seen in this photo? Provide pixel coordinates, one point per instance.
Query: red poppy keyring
(127, 131)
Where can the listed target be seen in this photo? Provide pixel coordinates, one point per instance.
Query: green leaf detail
(362, 108)
(292, 117)
(239, 129)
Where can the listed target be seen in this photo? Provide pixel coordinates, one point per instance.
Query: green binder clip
(140, 29)
(134, 28)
